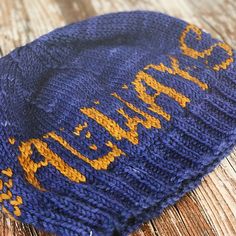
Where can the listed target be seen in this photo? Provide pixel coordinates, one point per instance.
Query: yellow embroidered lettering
(79, 128)
(175, 70)
(150, 99)
(101, 163)
(207, 52)
(30, 167)
(7, 195)
(132, 122)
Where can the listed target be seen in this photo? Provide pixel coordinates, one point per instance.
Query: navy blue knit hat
(105, 122)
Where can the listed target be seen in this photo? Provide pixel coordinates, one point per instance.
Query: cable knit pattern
(107, 121)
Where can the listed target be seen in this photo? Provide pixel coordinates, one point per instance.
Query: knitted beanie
(107, 121)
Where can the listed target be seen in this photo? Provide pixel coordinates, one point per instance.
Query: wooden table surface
(211, 208)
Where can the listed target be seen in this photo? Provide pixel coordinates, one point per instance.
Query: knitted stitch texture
(107, 121)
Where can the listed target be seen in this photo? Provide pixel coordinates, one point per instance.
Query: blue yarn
(107, 121)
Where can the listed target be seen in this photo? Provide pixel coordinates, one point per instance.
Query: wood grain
(211, 208)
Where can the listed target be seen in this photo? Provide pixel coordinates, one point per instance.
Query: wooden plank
(211, 208)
